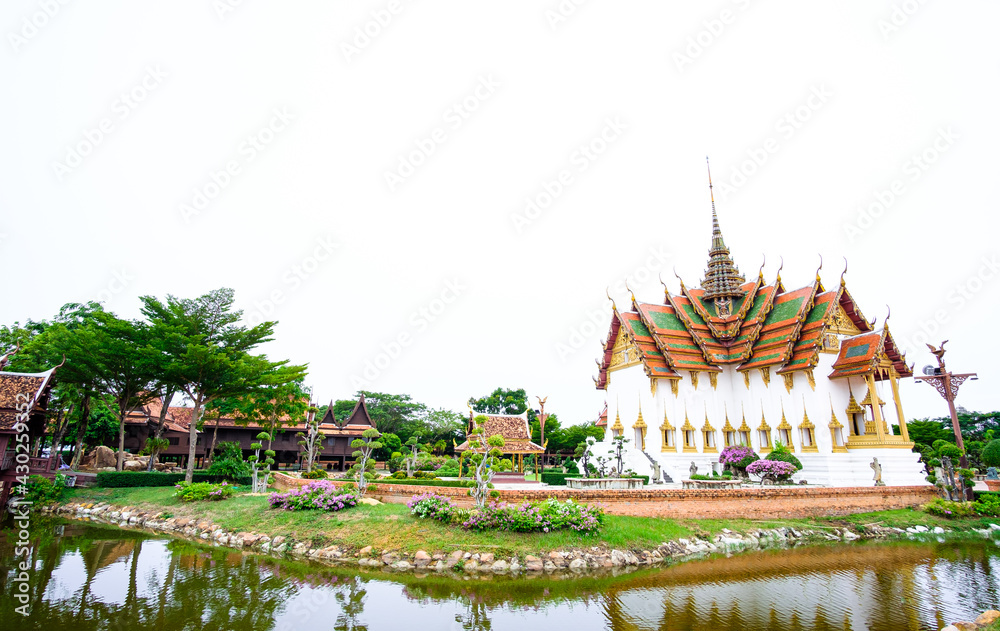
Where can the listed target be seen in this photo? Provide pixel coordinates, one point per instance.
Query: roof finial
(844, 272)
(711, 194)
(666, 291)
(819, 268)
(631, 293)
(607, 291)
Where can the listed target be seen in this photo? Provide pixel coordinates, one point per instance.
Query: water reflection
(91, 577)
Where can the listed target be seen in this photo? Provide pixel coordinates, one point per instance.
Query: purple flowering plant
(320, 495)
(777, 469)
(738, 456)
(432, 506)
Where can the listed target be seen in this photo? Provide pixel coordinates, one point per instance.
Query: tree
(926, 431)
(390, 444)
(502, 401)
(259, 468)
(364, 447)
(154, 446)
(485, 457)
(125, 366)
(312, 439)
(207, 354)
(583, 454)
(395, 413)
(411, 458)
(70, 339)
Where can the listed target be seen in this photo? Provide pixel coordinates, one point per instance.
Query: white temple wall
(630, 387)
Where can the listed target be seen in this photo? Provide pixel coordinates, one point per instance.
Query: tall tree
(126, 367)
(71, 336)
(207, 352)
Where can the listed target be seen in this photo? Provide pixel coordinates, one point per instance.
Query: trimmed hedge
(120, 479)
(559, 479)
(412, 482)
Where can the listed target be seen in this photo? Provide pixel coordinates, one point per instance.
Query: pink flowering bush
(314, 496)
(776, 469)
(738, 456)
(544, 516)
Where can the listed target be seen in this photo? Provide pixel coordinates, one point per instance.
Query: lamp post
(947, 385)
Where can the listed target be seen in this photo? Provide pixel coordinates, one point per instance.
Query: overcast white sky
(378, 182)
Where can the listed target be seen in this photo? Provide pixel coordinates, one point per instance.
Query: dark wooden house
(24, 399)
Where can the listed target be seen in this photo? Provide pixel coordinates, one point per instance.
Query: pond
(86, 577)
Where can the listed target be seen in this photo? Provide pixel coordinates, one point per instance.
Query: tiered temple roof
(751, 325)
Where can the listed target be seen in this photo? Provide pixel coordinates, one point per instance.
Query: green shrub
(424, 475)
(991, 454)
(399, 475)
(229, 469)
(131, 479)
(987, 504)
(559, 479)
(949, 450)
(951, 510)
(315, 474)
(415, 482)
(41, 490)
(199, 491)
(782, 454)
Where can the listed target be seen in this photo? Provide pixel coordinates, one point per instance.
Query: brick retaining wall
(749, 503)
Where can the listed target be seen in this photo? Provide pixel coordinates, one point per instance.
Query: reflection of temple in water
(819, 588)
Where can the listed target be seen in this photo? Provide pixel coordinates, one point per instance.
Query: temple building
(752, 362)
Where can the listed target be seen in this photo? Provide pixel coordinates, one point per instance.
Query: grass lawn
(390, 526)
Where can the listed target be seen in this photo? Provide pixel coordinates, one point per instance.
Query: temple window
(731, 439)
(709, 440)
(668, 438)
(765, 439)
(689, 439)
(785, 437)
(745, 438)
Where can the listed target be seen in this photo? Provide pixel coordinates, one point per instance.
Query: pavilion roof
(514, 430)
(15, 387)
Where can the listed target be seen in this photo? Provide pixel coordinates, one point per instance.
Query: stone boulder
(100, 458)
(134, 465)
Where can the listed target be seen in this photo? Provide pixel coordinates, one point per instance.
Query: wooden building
(24, 399)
